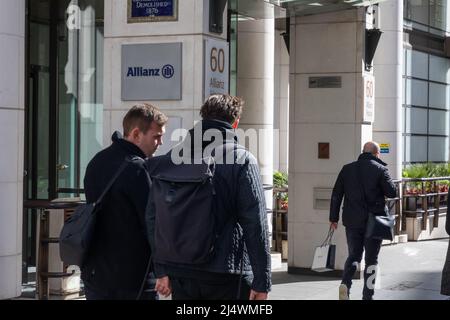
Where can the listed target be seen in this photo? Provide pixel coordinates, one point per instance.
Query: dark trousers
(93, 293)
(222, 287)
(357, 243)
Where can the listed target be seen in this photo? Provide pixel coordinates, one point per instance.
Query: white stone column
(281, 107)
(388, 63)
(255, 84)
(12, 114)
(191, 29)
(323, 45)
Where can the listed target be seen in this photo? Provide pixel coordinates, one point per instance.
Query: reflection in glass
(416, 121)
(438, 149)
(439, 95)
(438, 122)
(416, 149)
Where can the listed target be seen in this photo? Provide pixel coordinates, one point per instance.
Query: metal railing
(395, 206)
(425, 196)
(422, 197)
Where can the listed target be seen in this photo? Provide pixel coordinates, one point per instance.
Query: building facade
(301, 67)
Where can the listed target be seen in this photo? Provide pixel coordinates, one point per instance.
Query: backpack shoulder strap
(111, 182)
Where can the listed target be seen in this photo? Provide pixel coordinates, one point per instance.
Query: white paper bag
(324, 257)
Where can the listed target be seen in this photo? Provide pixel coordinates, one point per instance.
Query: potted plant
(280, 181)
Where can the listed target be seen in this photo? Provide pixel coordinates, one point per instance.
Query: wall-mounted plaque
(151, 71)
(325, 82)
(152, 10)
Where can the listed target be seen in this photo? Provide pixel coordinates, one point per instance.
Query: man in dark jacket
(242, 245)
(368, 179)
(118, 260)
(445, 282)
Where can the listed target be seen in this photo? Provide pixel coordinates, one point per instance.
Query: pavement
(407, 271)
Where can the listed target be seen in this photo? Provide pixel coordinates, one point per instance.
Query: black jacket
(241, 213)
(447, 220)
(377, 185)
(120, 252)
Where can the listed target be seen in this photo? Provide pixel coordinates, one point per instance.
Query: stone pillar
(255, 84)
(12, 115)
(388, 63)
(281, 107)
(324, 110)
(191, 29)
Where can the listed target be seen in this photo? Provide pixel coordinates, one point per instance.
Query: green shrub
(280, 179)
(426, 170)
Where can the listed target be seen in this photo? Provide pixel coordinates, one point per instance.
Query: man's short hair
(141, 116)
(222, 107)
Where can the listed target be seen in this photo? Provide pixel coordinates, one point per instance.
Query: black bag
(378, 226)
(183, 200)
(77, 232)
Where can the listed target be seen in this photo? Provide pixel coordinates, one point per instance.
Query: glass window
(416, 149)
(439, 69)
(438, 14)
(404, 119)
(419, 63)
(433, 13)
(408, 65)
(233, 51)
(73, 79)
(416, 121)
(438, 149)
(439, 95)
(438, 122)
(405, 61)
(81, 92)
(417, 92)
(403, 90)
(418, 10)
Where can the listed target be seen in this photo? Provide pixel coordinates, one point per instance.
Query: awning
(268, 9)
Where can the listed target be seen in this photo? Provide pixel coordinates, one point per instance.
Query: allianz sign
(166, 71)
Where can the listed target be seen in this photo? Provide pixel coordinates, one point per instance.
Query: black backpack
(183, 198)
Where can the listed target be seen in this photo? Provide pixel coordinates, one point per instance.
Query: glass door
(80, 92)
(64, 102)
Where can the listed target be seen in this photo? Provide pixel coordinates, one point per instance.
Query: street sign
(368, 98)
(385, 147)
(152, 10)
(216, 67)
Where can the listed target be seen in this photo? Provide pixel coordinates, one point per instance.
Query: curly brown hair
(142, 116)
(222, 107)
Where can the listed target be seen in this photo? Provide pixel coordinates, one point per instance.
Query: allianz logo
(167, 71)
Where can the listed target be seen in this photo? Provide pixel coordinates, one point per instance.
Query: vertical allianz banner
(217, 67)
(151, 71)
(368, 98)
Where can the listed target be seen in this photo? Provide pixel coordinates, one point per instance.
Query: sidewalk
(409, 271)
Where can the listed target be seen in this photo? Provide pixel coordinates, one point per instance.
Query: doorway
(64, 103)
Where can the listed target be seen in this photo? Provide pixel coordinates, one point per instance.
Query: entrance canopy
(267, 9)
